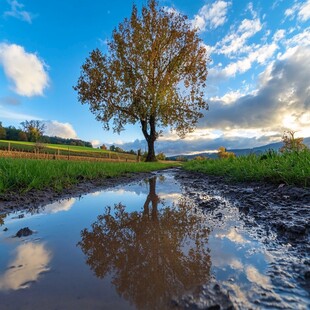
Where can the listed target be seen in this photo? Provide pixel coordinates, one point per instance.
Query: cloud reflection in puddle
(31, 260)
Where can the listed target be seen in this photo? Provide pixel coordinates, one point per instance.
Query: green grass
(289, 168)
(22, 175)
(30, 145)
(63, 149)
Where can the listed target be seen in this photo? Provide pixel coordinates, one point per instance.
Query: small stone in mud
(307, 275)
(24, 232)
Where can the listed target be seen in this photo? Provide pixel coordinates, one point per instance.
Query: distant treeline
(16, 134)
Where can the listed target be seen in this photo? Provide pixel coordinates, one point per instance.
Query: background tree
(34, 129)
(153, 74)
(2, 132)
(112, 148)
(22, 136)
(292, 144)
(12, 133)
(161, 156)
(222, 153)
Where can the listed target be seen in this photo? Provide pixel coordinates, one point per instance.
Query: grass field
(22, 175)
(288, 168)
(61, 149)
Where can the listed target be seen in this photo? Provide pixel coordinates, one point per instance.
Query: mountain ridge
(240, 152)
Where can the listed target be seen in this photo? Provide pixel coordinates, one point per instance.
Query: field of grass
(288, 168)
(22, 175)
(62, 149)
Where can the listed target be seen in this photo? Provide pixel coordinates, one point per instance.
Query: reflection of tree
(153, 255)
(2, 217)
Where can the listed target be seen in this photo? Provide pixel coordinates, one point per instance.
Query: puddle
(145, 245)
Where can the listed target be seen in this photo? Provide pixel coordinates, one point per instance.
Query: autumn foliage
(153, 75)
(222, 153)
(292, 144)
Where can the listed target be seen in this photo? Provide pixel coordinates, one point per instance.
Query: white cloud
(96, 143)
(304, 12)
(259, 55)
(62, 130)
(281, 100)
(299, 10)
(18, 12)
(171, 10)
(300, 39)
(211, 15)
(229, 97)
(279, 35)
(25, 70)
(235, 41)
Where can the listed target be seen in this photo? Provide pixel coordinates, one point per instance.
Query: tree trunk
(150, 138)
(151, 150)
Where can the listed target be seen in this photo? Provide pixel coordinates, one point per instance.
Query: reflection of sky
(170, 197)
(255, 276)
(233, 236)
(63, 205)
(31, 260)
(239, 262)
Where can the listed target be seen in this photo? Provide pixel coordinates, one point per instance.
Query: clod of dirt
(24, 232)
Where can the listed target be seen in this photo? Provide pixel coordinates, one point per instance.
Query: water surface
(138, 247)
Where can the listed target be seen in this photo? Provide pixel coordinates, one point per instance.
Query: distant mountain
(239, 152)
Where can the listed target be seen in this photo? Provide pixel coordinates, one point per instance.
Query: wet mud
(280, 215)
(34, 199)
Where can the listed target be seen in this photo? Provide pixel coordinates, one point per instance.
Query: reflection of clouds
(95, 194)
(240, 296)
(255, 276)
(233, 236)
(220, 260)
(31, 260)
(173, 197)
(63, 205)
(235, 264)
(123, 192)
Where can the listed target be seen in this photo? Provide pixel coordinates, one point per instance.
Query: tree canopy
(34, 129)
(153, 74)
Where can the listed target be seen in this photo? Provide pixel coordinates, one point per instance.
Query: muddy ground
(33, 199)
(281, 210)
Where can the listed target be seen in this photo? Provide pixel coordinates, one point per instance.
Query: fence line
(72, 157)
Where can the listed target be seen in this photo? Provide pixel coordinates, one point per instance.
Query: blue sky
(258, 81)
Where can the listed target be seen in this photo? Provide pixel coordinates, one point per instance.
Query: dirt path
(281, 210)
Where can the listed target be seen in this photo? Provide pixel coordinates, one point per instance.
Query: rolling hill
(240, 152)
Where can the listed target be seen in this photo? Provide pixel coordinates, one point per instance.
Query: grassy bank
(22, 175)
(289, 168)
